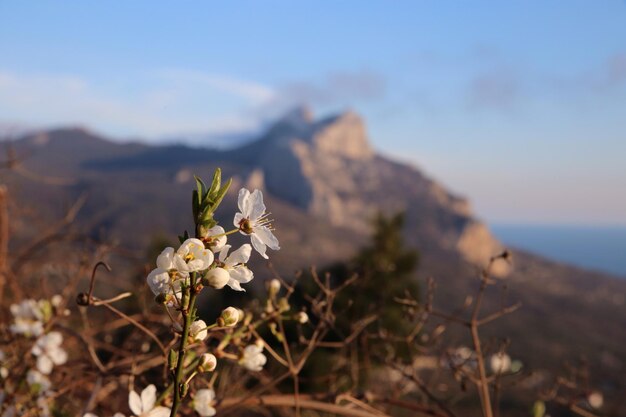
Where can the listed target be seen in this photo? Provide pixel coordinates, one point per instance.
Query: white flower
(144, 406)
(44, 406)
(274, 286)
(56, 300)
(38, 380)
(595, 399)
(208, 362)
(198, 330)
(203, 402)
(29, 317)
(254, 221)
(235, 265)
(94, 415)
(253, 359)
(230, 315)
(500, 363)
(165, 279)
(4, 372)
(192, 256)
(49, 352)
(462, 356)
(302, 317)
(216, 243)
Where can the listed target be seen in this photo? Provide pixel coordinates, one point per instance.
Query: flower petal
(243, 201)
(54, 338)
(240, 256)
(158, 281)
(44, 364)
(241, 274)
(134, 402)
(224, 253)
(266, 235)
(58, 356)
(235, 285)
(166, 259)
(256, 206)
(258, 245)
(238, 218)
(160, 412)
(148, 397)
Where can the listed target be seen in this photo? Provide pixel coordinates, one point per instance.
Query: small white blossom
(253, 358)
(230, 315)
(56, 300)
(203, 402)
(44, 406)
(94, 415)
(302, 317)
(29, 317)
(253, 220)
(217, 278)
(595, 399)
(192, 256)
(145, 405)
(216, 243)
(208, 362)
(49, 352)
(274, 286)
(198, 330)
(38, 380)
(461, 357)
(235, 265)
(4, 372)
(500, 363)
(165, 279)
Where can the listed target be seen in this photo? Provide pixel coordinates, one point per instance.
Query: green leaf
(220, 194)
(217, 181)
(195, 204)
(201, 188)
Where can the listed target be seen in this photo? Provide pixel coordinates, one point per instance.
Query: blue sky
(519, 105)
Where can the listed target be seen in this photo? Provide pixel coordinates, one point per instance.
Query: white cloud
(254, 92)
(172, 102)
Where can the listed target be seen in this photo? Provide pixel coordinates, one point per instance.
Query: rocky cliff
(328, 168)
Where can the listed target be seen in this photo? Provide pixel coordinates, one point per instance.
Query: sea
(597, 248)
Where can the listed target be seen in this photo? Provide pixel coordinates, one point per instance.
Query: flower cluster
(32, 320)
(196, 255)
(209, 260)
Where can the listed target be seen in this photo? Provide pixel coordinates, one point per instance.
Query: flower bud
(274, 287)
(216, 278)
(230, 316)
(172, 358)
(595, 399)
(198, 331)
(56, 301)
(208, 363)
(82, 299)
(302, 317)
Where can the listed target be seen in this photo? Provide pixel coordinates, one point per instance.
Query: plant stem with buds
(180, 387)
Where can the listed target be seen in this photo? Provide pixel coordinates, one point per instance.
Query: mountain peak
(344, 134)
(298, 116)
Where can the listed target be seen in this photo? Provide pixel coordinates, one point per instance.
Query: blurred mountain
(323, 182)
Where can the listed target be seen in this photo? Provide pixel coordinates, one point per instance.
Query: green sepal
(184, 237)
